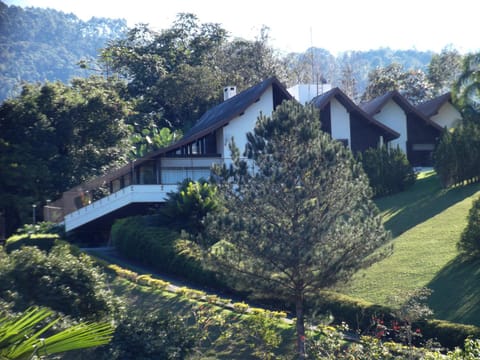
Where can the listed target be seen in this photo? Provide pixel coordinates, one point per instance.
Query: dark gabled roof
(431, 107)
(212, 120)
(322, 100)
(376, 105)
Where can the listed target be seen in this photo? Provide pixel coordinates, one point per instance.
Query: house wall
(395, 118)
(340, 121)
(363, 134)
(241, 125)
(422, 139)
(447, 116)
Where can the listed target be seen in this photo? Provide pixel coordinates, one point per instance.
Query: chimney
(229, 92)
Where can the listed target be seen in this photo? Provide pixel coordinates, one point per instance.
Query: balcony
(128, 195)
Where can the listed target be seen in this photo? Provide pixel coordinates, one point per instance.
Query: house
(135, 187)
(418, 134)
(348, 123)
(441, 111)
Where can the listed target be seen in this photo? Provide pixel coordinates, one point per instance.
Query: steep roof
(376, 105)
(322, 100)
(431, 107)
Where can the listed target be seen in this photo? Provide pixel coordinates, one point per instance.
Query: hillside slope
(427, 223)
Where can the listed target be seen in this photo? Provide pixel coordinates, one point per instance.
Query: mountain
(44, 44)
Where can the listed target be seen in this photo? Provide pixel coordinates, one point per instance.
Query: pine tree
(302, 220)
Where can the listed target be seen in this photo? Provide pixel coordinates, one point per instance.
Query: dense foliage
(469, 243)
(44, 44)
(60, 280)
(457, 156)
(186, 208)
(161, 248)
(27, 336)
(388, 170)
(55, 136)
(303, 220)
(151, 334)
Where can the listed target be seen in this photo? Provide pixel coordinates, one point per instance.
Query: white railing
(128, 195)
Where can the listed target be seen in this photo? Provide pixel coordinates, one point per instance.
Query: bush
(359, 314)
(150, 335)
(186, 208)
(388, 170)
(59, 280)
(160, 248)
(469, 243)
(457, 157)
(44, 242)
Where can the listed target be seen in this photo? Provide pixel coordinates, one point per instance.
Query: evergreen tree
(302, 220)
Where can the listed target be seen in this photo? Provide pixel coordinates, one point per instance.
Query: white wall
(241, 125)
(340, 121)
(395, 118)
(305, 92)
(447, 116)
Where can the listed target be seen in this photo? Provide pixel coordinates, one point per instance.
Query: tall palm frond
(21, 337)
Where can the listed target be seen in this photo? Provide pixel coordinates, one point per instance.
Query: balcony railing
(126, 196)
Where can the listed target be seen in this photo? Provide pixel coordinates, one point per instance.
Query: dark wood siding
(325, 119)
(363, 134)
(420, 133)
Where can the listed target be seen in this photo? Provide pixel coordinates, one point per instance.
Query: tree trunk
(300, 326)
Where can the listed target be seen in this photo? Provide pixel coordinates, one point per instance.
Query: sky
(335, 25)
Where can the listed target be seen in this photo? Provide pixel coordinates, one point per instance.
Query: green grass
(426, 222)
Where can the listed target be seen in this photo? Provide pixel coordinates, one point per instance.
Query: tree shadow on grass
(456, 292)
(420, 203)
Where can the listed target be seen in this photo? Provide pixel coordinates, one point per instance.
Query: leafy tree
(54, 136)
(469, 243)
(23, 337)
(444, 69)
(162, 69)
(413, 84)
(303, 221)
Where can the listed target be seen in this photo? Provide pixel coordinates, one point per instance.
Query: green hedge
(388, 170)
(359, 314)
(160, 248)
(42, 241)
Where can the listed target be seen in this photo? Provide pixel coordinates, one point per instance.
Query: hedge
(160, 248)
(44, 242)
(359, 314)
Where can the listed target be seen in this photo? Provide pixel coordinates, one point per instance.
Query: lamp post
(48, 210)
(34, 214)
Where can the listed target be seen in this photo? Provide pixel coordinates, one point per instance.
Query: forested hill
(44, 44)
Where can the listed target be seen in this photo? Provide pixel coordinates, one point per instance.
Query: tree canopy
(55, 136)
(302, 220)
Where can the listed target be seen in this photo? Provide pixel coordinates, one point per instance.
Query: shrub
(59, 280)
(457, 156)
(187, 207)
(360, 313)
(42, 241)
(388, 170)
(160, 248)
(150, 335)
(469, 243)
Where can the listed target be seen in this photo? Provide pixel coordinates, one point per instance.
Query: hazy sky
(336, 25)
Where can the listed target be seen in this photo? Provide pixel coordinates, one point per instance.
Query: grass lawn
(426, 222)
